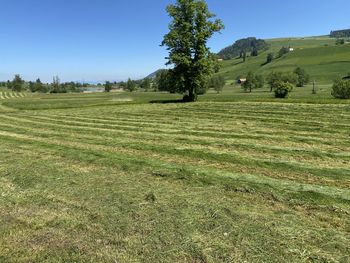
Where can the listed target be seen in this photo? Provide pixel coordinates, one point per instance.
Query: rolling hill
(319, 56)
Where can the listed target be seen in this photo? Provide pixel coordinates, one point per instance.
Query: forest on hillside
(243, 46)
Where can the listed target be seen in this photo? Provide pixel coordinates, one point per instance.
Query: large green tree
(163, 81)
(253, 82)
(303, 77)
(191, 27)
(108, 86)
(17, 83)
(269, 58)
(217, 83)
(38, 86)
(146, 84)
(130, 85)
(285, 77)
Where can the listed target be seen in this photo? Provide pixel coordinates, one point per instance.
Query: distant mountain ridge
(153, 74)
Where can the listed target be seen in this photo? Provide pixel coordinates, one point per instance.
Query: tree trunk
(192, 95)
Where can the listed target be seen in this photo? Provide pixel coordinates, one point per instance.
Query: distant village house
(241, 81)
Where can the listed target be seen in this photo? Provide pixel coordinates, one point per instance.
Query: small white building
(241, 81)
(291, 49)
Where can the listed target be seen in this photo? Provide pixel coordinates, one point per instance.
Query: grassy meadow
(319, 56)
(123, 177)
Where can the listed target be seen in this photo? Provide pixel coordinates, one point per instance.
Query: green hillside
(319, 56)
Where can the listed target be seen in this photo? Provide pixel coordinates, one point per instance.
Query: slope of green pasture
(320, 57)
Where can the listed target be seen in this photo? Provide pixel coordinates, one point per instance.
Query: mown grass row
(240, 146)
(11, 95)
(203, 182)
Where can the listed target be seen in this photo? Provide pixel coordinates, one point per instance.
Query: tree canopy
(217, 83)
(130, 85)
(341, 89)
(191, 27)
(253, 82)
(17, 83)
(303, 77)
(108, 86)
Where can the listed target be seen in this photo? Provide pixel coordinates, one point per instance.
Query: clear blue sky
(99, 40)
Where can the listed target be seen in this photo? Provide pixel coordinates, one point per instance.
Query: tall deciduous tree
(108, 86)
(217, 83)
(269, 58)
(163, 81)
(31, 86)
(303, 77)
(55, 84)
(253, 82)
(146, 84)
(38, 86)
(283, 51)
(130, 85)
(17, 83)
(285, 77)
(191, 27)
(248, 85)
(244, 56)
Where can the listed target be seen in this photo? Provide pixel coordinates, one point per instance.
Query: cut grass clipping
(202, 182)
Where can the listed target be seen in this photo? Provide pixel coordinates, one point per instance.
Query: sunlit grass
(234, 177)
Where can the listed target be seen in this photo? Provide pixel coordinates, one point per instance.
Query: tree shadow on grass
(167, 101)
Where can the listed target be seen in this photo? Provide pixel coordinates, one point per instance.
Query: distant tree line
(282, 83)
(242, 47)
(129, 85)
(19, 85)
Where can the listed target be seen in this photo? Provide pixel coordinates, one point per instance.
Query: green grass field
(235, 177)
(319, 56)
(4, 95)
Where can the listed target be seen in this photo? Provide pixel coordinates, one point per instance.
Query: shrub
(253, 82)
(269, 58)
(302, 77)
(340, 41)
(217, 83)
(275, 77)
(202, 89)
(282, 89)
(341, 89)
(108, 86)
(283, 51)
